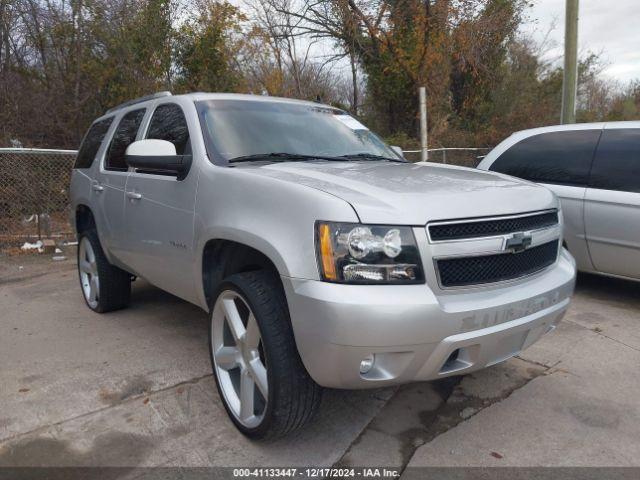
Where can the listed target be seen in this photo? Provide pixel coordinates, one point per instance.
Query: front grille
(487, 228)
(458, 272)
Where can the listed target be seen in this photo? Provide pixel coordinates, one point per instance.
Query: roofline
(204, 96)
(128, 103)
(579, 126)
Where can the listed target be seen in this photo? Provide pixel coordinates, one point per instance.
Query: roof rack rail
(138, 100)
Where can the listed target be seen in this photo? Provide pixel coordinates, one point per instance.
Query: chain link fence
(34, 195)
(464, 157)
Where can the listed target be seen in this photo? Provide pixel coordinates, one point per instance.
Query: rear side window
(168, 123)
(617, 162)
(124, 135)
(91, 143)
(562, 158)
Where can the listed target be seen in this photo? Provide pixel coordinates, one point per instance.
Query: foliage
(207, 49)
(64, 62)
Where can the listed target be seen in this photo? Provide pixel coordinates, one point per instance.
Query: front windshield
(240, 128)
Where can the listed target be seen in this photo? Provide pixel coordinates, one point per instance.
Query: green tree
(208, 48)
(131, 52)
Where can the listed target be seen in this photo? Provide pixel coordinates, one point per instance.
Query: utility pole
(570, 80)
(424, 153)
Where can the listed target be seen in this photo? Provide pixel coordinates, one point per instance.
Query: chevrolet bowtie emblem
(518, 242)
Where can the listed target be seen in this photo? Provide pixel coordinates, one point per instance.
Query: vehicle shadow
(609, 289)
(150, 302)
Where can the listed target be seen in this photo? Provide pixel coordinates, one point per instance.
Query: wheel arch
(84, 218)
(221, 257)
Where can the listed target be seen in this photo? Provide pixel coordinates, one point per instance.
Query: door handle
(97, 187)
(134, 195)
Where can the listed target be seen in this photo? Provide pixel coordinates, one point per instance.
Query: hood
(413, 193)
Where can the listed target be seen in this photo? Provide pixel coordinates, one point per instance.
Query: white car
(595, 170)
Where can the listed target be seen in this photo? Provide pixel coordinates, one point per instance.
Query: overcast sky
(609, 27)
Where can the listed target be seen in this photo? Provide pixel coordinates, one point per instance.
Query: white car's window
(239, 128)
(617, 162)
(562, 158)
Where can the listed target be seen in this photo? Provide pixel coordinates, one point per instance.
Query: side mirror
(157, 156)
(398, 150)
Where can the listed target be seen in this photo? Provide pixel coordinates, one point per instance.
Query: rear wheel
(261, 380)
(105, 287)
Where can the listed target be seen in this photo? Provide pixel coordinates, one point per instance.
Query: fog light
(367, 364)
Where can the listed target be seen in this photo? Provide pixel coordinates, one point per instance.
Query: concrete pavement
(134, 388)
(583, 411)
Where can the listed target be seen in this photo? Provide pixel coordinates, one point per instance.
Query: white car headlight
(367, 254)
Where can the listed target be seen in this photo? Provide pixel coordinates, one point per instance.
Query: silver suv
(323, 258)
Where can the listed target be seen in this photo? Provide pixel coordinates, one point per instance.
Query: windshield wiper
(284, 157)
(371, 156)
(294, 157)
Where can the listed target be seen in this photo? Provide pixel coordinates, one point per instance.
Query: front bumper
(415, 335)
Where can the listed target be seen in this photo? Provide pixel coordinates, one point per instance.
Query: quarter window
(562, 158)
(168, 123)
(124, 136)
(617, 162)
(91, 143)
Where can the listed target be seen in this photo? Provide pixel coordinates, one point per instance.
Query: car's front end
(481, 290)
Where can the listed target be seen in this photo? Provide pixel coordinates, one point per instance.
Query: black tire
(114, 290)
(293, 396)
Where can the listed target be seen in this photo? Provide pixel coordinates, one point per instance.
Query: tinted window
(91, 143)
(168, 123)
(617, 163)
(557, 157)
(125, 135)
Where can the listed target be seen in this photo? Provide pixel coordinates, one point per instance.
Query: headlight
(355, 253)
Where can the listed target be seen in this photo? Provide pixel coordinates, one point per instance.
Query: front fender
(274, 216)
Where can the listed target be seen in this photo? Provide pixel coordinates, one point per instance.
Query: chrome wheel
(88, 268)
(238, 358)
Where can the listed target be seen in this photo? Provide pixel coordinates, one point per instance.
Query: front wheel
(261, 380)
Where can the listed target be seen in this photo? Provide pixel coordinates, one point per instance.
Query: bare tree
(289, 65)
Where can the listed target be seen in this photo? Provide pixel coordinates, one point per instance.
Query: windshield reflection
(243, 128)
